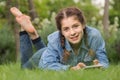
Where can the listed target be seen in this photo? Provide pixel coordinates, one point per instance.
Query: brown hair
(68, 12)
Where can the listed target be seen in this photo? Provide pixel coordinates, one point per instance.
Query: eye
(76, 26)
(65, 29)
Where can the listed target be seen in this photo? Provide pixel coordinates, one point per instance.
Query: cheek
(82, 32)
(79, 31)
(65, 34)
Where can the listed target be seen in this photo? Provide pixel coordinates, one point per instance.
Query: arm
(99, 46)
(50, 59)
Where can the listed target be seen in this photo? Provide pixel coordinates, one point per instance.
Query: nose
(72, 32)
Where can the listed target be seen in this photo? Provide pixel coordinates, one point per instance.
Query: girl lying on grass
(74, 46)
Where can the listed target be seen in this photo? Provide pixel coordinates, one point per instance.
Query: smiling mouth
(74, 38)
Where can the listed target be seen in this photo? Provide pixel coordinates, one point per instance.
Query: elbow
(105, 65)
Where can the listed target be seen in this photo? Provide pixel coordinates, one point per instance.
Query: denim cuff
(36, 40)
(22, 33)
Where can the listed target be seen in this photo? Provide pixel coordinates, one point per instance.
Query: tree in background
(46, 7)
(32, 10)
(115, 11)
(106, 17)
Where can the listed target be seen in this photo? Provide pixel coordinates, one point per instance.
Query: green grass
(14, 72)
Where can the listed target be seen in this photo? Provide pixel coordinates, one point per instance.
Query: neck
(75, 46)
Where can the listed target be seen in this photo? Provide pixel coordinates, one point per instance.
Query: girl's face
(72, 29)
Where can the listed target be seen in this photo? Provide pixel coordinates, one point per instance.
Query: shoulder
(54, 41)
(95, 39)
(55, 36)
(92, 32)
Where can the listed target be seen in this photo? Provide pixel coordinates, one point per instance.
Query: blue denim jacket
(53, 55)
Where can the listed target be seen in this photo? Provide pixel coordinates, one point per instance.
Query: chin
(75, 42)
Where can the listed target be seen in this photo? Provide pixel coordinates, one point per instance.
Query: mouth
(74, 38)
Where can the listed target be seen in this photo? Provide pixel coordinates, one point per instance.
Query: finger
(95, 62)
(81, 65)
(78, 67)
(75, 68)
(16, 12)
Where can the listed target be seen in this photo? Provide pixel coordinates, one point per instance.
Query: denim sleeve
(99, 46)
(50, 59)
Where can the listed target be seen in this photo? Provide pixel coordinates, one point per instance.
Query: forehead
(69, 21)
(74, 17)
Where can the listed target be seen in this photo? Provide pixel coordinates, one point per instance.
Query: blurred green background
(42, 14)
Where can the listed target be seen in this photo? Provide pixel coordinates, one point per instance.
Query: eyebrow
(75, 24)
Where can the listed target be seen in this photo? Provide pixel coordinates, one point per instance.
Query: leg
(28, 60)
(38, 43)
(34, 60)
(25, 47)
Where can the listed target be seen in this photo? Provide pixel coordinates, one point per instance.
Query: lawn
(14, 72)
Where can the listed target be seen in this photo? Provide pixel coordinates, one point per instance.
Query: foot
(25, 22)
(16, 12)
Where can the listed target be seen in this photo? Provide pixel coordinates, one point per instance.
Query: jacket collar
(69, 48)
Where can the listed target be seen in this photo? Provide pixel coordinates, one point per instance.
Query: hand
(75, 68)
(82, 65)
(78, 66)
(95, 62)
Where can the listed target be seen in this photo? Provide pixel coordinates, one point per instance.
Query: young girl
(74, 46)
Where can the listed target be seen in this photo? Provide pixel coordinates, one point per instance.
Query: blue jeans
(28, 59)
